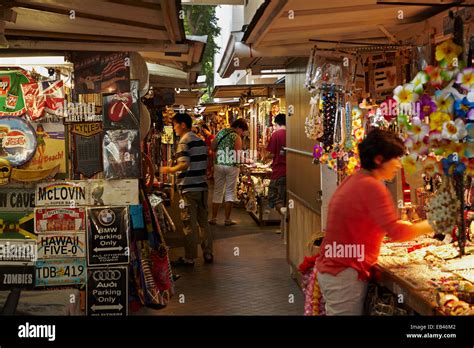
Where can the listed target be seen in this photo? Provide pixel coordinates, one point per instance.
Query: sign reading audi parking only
(107, 293)
(107, 236)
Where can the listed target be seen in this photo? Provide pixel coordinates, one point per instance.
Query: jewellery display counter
(428, 277)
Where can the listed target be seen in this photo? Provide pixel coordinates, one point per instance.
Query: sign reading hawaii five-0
(107, 236)
(62, 193)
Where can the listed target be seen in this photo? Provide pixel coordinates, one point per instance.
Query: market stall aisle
(254, 281)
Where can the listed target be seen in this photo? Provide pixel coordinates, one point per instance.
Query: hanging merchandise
(348, 143)
(107, 291)
(139, 72)
(329, 99)
(11, 95)
(44, 97)
(121, 154)
(60, 219)
(314, 123)
(87, 138)
(109, 192)
(444, 208)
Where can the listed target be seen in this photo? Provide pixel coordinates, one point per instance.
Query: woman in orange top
(361, 212)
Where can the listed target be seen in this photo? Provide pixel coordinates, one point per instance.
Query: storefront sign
(121, 154)
(17, 251)
(17, 140)
(61, 245)
(60, 220)
(101, 72)
(17, 199)
(107, 291)
(60, 272)
(11, 95)
(62, 193)
(122, 110)
(17, 277)
(17, 225)
(51, 151)
(110, 192)
(87, 138)
(107, 236)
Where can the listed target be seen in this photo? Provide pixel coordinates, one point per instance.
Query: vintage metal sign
(17, 199)
(110, 192)
(61, 219)
(17, 140)
(61, 272)
(62, 193)
(107, 236)
(17, 225)
(11, 95)
(87, 139)
(51, 143)
(101, 72)
(122, 110)
(17, 251)
(17, 277)
(61, 245)
(107, 291)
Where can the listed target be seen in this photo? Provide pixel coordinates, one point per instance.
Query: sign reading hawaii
(17, 140)
(62, 193)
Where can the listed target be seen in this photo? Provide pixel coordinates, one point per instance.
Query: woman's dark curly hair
(240, 123)
(380, 142)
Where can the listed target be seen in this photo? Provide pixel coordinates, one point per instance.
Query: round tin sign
(17, 140)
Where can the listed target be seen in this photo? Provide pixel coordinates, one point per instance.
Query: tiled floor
(250, 275)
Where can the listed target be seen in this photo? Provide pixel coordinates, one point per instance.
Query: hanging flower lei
(438, 128)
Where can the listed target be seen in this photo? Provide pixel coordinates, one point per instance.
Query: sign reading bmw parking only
(107, 291)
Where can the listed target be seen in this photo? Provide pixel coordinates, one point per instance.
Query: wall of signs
(56, 231)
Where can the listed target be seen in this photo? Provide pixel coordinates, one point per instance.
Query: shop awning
(151, 27)
(282, 29)
(237, 91)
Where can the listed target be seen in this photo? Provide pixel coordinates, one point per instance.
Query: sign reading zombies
(61, 219)
(109, 192)
(61, 272)
(62, 193)
(17, 277)
(17, 140)
(107, 291)
(121, 110)
(121, 154)
(87, 139)
(101, 72)
(61, 245)
(107, 236)
(11, 96)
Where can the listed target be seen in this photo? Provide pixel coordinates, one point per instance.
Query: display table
(428, 276)
(255, 179)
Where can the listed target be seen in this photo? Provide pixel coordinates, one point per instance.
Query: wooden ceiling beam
(68, 36)
(95, 46)
(33, 19)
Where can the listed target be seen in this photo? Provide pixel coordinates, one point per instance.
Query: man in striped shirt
(191, 157)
